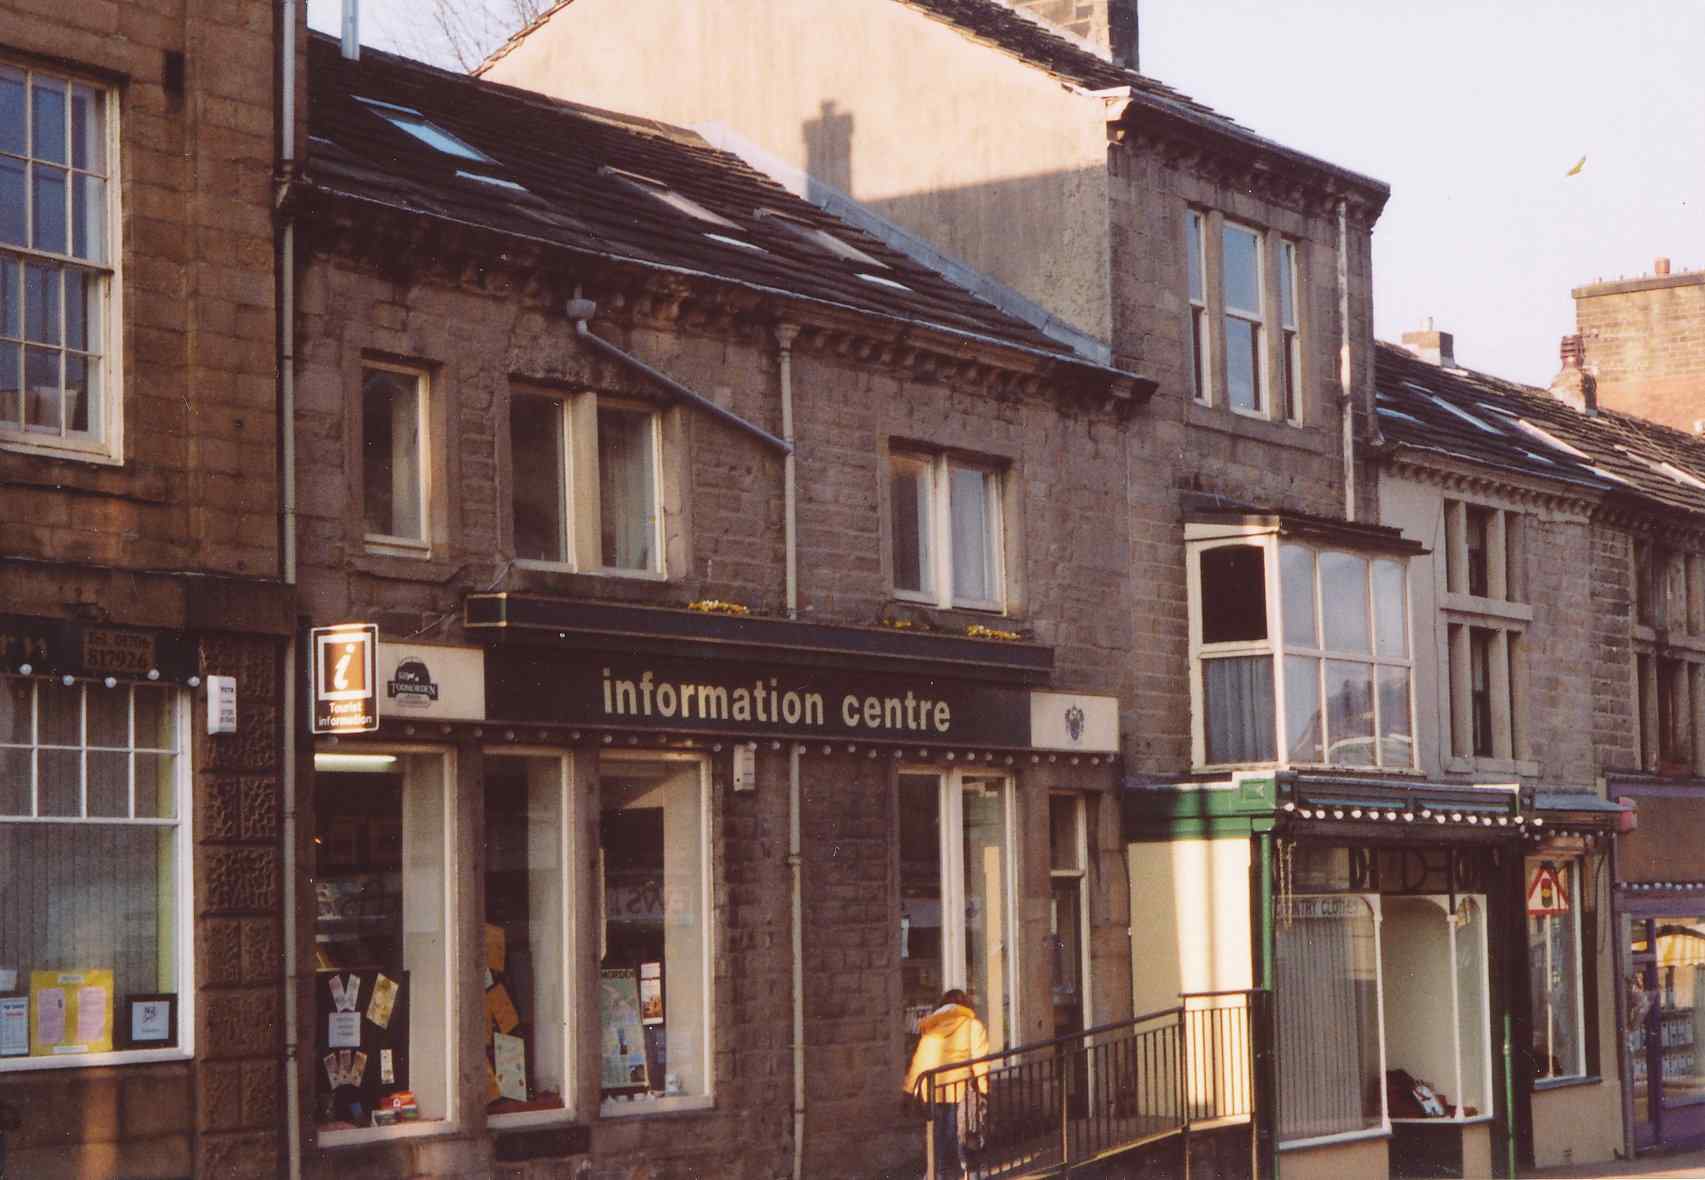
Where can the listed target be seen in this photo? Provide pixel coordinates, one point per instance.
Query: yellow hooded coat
(951, 1033)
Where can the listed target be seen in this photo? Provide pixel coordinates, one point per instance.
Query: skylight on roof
(497, 180)
(1388, 412)
(1680, 476)
(882, 282)
(418, 125)
(660, 192)
(1549, 439)
(1603, 474)
(1538, 458)
(1477, 423)
(728, 241)
(821, 238)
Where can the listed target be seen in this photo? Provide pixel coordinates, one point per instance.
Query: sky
(1473, 112)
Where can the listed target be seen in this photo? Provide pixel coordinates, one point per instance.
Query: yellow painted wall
(1361, 1158)
(832, 89)
(1477, 1150)
(1190, 928)
(1577, 1124)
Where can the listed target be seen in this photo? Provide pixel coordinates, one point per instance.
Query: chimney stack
(1573, 385)
(1436, 348)
(1660, 266)
(1111, 24)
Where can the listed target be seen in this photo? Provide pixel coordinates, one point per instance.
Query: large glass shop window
(955, 909)
(1327, 993)
(93, 870)
(381, 1020)
(525, 970)
(1554, 970)
(654, 978)
(1680, 999)
(1437, 1019)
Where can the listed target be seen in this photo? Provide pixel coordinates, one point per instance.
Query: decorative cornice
(1474, 480)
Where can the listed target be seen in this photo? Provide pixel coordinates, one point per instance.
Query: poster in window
(623, 1059)
(651, 993)
(73, 1012)
(150, 1021)
(14, 1026)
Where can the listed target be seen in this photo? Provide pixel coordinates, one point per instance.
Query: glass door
(1645, 1055)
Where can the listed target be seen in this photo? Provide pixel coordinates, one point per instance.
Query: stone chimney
(1436, 348)
(1573, 385)
(1111, 24)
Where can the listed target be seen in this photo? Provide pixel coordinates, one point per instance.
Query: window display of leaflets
(651, 993)
(73, 1012)
(14, 1026)
(511, 1068)
(501, 1009)
(384, 997)
(622, 1067)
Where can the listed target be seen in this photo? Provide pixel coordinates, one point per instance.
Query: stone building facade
(1640, 340)
(141, 872)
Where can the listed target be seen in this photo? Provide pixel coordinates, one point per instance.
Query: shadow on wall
(828, 147)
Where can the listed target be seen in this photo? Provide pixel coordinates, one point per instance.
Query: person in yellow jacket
(958, 1097)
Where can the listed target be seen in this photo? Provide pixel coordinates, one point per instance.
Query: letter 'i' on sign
(342, 668)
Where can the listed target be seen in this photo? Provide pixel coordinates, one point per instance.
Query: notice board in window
(361, 1041)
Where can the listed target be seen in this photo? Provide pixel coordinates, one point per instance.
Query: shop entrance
(1666, 1029)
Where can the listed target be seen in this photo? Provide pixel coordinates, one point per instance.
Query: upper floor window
(1290, 334)
(1485, 624)
(1197, 265)
(1302, 655)
(947, 531)
(1244, 319)
(394, 455)
(58, 295)
(586, 482)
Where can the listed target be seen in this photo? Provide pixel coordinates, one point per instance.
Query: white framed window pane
(89, 217)
(80, 392)
(88, 129)
(1296, 589)
(1197, 286)
(109, 784)
(16, 773)
(1471, 1011)
(42, 392)
(986, 918)
(909, 506)
(48, 223)
(1199, 352)
(1237, 700)
(1396, 737)
(1349, 713)
(1305, 732)
(655, 912)
(1241, 266)
(382, 927)
(14, 137)
(391, 436)
(16, 711)
(156, 786)
(47, 119)
(109, 718)
(1390, 616)
(41, 303)
(11, 384)
(1327, 993)
(1344, 601)
(525, 899)
(1234, 594)
(627, 487)
(1554, 980)
(155, 724)
(59, 717)
(970, 499)
(1287, 284)
(11, 281)
(1242, 364)
(14, 211)
(59, 783)
(540, 494)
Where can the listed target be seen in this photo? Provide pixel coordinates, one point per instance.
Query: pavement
(1687, 1165)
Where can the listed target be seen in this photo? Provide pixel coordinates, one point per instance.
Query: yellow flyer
(71, 1012)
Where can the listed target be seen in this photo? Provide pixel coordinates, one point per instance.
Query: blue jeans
(949, 1158)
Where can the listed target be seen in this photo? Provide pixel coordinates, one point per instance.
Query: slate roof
(545, 176)
(1462, 414)
(1046, 47)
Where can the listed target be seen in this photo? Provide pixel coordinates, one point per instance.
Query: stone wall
(1644, 339)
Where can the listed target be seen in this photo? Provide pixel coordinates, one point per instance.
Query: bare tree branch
(459, 34)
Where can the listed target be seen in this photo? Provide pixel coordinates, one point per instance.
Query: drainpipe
(1619, 974)
(1346, 375)
(785, 335)
(287, 439)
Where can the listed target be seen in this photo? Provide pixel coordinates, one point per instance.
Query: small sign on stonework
(1545, 894)
(345, 700)
(221, 704)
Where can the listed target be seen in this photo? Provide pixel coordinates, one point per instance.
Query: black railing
(1046, 1108)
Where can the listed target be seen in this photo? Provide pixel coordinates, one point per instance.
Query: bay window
(94, 868)
(1330, 684)
(59, 376)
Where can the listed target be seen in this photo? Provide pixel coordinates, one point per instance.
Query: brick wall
(1644, 339)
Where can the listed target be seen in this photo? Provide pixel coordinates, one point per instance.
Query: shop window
(654, 1009)
(1433, 968)
(1328, 1017)
(1554, 972)
(1290, 335)
(382, 1020)
(94, 860)
(946, 524)
(1675, 987)
(59, 370)
(1347, 670)
(955, 902)
(526, 924)
(586, 483)
(394, 456)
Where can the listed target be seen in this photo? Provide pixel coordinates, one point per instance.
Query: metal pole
(1264, 1029)
(1509, 1096)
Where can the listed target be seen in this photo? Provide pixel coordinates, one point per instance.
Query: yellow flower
(978, 631)
(715, 606)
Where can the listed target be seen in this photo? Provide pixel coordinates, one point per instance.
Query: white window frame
(1290, 400)
(105, 443)
(1572, 871)
(1256, 317)
(579, 478)
(568, 856)
(940, 508)
(1199, 329)
(1080, 874)
(183, 896)
(417, 546)
(608, 1108)
(454, 869)
(1201, 538)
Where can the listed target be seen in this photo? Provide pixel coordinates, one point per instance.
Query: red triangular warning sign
(1545, 893)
